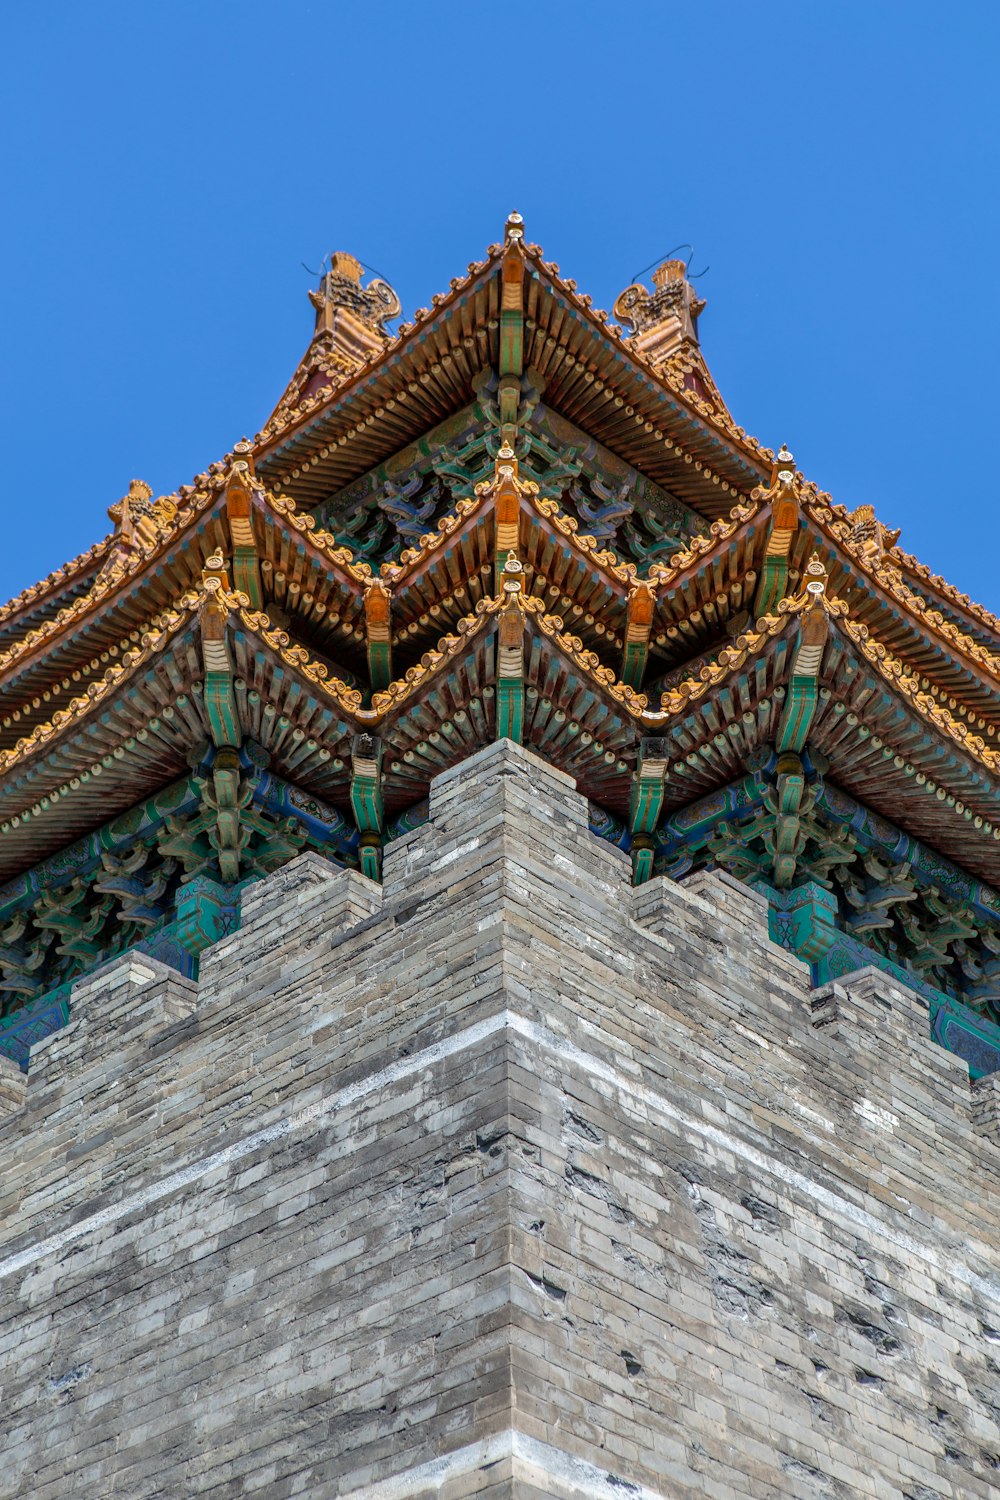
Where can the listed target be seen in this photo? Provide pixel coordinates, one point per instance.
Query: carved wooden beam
(239, 498)
(639, 623)
(781, 533)
(378, 623)
(510, 655)
(366, 801)
(648, 786)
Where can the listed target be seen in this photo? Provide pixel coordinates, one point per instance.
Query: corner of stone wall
(986, 1107)
(310, 898)
(724, 915)
(508, 793)
(113, 1012)
(489, 767)
(885, 1029)
(13, 1087)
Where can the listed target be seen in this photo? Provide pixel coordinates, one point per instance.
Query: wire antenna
(669, 256)
(323, 265)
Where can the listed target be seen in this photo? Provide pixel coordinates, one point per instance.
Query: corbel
(366, 801)
(784, 802)
(239, 500)
(781, 532)
(648, 788)
(813, 922)
(638, 626)
(510, 655)
(226, 799)
(200, 914)
(378, 624)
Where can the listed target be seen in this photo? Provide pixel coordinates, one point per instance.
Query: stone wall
(504, 1179)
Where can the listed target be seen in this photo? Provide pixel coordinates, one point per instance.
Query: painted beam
(378, 624)
(511, 353)
(803, 688)
(783, 526)
(220, 702)
(506, 510)
(510, 654)
(239, 499)
(648, 787)
(638, 626)
(366, 801)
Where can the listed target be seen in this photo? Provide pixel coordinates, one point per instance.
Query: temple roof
(593, 515)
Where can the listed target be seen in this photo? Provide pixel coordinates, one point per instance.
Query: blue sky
(170, 167)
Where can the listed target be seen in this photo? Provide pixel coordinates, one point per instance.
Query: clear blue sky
(169, 166)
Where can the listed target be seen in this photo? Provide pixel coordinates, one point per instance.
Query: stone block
(506, 1180)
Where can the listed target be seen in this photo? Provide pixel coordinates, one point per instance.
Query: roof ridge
(151, 643)
(882, 572)
(935, 580)
(904, 680)
(280, 422)
(117, 572)
(58, 575)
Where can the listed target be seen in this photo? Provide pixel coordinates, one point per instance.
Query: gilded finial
(131, 506)
(139, 520)
(514, 227)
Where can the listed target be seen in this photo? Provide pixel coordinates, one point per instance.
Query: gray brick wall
(504, 1179)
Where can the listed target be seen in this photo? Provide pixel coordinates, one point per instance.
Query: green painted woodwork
(800, 707)
(646, 804)
(370, 855)
(366, 802)
(772, 586)
(813, 914)
(220, 709)
(246, 575)
(643, 853)
(510, 709)
(510, 394)
(379, 664)
(634, 660)
(785, 801)
(201, 911)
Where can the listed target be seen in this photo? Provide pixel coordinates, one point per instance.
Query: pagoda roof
(649, 413)
(103, 664)
(33, 606)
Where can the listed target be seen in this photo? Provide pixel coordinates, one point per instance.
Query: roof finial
(353, 317)
(514, 227)
(664, 319)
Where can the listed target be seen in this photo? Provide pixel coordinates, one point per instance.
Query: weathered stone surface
(502, 1180)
